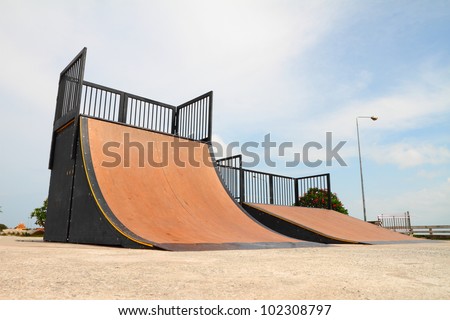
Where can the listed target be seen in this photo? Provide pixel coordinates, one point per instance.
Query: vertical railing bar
(129, 102)
(199, 121)
(185, 116)
(202, 106)
(75, 93)
(156, 117)
(95, 102)
(110, 108)
(64, 98)
(163, 123)
(116, 110)
(141, 116)
(85, 98)
(167, 120)
(135, 108)
(329, 190)
(260, 188)
(72, 90)
(195, 122)
(90, 100)
(141, 113)
(126, 108)
(257, 188)
(205, 118)
(150, 115)
(192, 122)
(180, 122)
(138, 112)
(252, 188)
(68, 92)
(105, 103)
(145, 107)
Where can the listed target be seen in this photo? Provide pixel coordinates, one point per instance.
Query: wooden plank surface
(170, 204)
(333, 224)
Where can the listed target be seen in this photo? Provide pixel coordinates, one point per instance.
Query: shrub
(318, 198)
(2, 227)
(40, 214)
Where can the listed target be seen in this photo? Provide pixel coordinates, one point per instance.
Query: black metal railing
(149, 114)
(232, 175)
(114, 105)
(194, 118)
(69, 89)
(320, 181)
(190, 120)
(100, 102)
(261, 187)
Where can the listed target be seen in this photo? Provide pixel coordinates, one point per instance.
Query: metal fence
(190, 120)
(114, 105)
(194, 118)
(399, 223)
(261, 187)
(69, 89)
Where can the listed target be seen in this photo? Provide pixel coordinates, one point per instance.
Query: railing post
(296, 193)
(241, 184)
(270, 189)
(210, 116)
(408, 221)
(329, 190)
(123, 106)
(175, 121)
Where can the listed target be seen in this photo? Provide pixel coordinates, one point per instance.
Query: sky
(292, 69)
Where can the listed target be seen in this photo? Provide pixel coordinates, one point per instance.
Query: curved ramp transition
(157, 190)
(322, 225)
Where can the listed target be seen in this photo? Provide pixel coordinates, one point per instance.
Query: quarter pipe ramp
(137, 188)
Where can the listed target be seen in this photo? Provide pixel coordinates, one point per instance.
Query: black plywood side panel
(60, 190)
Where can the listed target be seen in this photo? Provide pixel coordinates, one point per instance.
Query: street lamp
(360, 162)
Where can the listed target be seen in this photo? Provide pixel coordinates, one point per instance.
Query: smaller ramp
(322, 225)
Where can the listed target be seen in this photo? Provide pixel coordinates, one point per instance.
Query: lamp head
(374, 118)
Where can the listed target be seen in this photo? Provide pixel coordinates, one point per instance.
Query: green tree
(2, 226)
(40, 214)
(318, 198)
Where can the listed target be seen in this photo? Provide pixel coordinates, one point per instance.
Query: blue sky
(294, 69)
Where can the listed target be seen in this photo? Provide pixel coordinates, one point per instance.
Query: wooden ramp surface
(180, 204)
(331, 224)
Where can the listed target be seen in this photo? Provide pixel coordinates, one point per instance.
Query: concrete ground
(33, 269)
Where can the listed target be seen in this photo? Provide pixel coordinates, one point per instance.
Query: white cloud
(406, 155)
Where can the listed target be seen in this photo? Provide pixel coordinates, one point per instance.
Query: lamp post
(360, 162)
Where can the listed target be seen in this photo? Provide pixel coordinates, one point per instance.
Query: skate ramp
(161, 191)
(322, 225)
